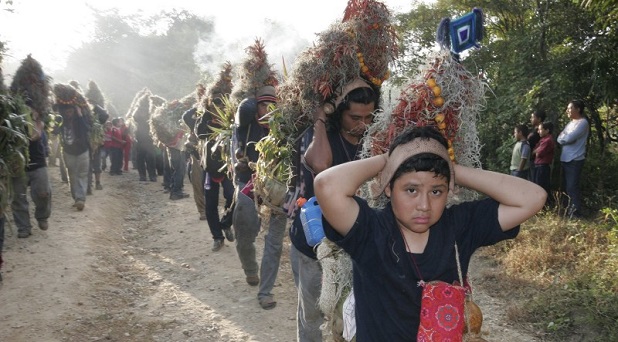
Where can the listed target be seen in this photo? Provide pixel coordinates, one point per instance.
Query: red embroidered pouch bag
(442, 312)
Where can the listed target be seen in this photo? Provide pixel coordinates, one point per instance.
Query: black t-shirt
(343, 152)
(75, 135)
(37, 154)
(388, 299)
(533, 139)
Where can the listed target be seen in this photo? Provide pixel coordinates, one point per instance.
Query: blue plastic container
(311, 218)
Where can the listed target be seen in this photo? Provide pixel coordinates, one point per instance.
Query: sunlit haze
(50, 30)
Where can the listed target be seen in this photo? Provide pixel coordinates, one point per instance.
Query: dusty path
(135, 266)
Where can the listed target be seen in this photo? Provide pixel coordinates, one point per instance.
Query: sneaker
(253, 280)
(153, 179)
(23, 234)
(203, 217)
(217, 245)
(142, 179)
(99, 186)
(179, 196)
(89, 191)
(229, 234)
(43, 225)
(80, 205)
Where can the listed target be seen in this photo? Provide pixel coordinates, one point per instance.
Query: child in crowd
(415, 239)
(544, 157)
(520, 158)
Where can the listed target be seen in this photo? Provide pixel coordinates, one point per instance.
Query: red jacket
(117, 142)
(545, 150)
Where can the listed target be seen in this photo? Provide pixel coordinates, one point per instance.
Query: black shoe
(217, 245)
(99, 186)
(89, 191)
(43, 225)
(142, 179)
(153, 179)
(229, 234)
(253, 280)
(23, 234)
(181, 195)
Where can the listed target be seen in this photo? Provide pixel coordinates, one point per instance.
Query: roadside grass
(561, 276)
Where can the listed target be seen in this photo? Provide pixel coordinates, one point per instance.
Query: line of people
(533, 154)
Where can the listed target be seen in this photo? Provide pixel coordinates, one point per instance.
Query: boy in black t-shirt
(413, 238)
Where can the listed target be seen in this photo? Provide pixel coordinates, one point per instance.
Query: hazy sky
(49, 32)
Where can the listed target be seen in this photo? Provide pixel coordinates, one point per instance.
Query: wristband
(321, 120)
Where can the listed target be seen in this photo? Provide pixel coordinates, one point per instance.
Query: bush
(564, 276)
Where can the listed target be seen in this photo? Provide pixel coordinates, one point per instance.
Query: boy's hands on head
(319, 114)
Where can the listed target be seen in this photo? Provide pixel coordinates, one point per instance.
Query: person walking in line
(335, 139)
(75, 131)
(573, 140)
(196, 173)
(37, 178)
(115, 149)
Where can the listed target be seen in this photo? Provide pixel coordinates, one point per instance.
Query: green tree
(536, 54)
(129, 53)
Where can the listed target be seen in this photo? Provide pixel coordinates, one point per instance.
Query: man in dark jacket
(37, 178)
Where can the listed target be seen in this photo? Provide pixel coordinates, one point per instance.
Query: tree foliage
(537, 54)
(130, 52)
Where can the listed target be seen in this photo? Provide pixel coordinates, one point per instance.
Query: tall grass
(563, 275)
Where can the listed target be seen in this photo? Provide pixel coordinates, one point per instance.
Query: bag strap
(458, 265)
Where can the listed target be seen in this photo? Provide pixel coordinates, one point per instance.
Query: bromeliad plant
(273, 168)
(222, 128)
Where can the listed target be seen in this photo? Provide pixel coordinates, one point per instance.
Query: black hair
(523, 129)
(540, 113)
(580, 105)
(115, 121)
(361, 95)
(423, 161)
(548, 125)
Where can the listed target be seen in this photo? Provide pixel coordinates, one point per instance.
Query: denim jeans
(308, 280)
(115, 156)
(521, 174)
(271, 258)
(572, 175)
(40, 193)
(77, 167)
(196, 176)
(104, 155)
(145, 161)
(542, 177)
(95, 165)
(211, 199)
(178, 165)
(246, 227)
(2, 219)
(167, 169)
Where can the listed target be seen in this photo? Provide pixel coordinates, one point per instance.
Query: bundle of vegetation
(254, 73)
(34, 86)
(166, 125)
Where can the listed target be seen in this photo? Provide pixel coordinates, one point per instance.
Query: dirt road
(135, 266)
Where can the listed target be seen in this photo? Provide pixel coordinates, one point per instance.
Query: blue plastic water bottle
(311, 218)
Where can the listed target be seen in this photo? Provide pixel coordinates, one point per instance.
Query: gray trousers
(40, 193)
(246, 228)
(271, 258)
(308, 280)
(77, 167)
